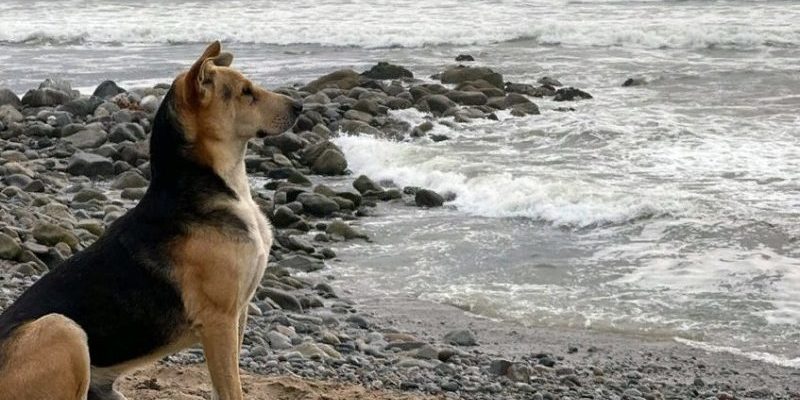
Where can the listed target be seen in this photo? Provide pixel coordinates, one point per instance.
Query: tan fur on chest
(218, 272)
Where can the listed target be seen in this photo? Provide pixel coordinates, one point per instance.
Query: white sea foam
(407, 23)
(753, 355)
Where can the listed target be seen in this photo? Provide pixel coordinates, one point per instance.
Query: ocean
(668, 210)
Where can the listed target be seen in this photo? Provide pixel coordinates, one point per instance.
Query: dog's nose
(297, 107)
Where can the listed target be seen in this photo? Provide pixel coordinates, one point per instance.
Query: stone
(422, 129)
(317, 204)
(460, 74)
(385, 70)
(82, 106)
(45, 98)
(129, 179)
(464, 57)
(51, 234)
(330, 162)
(359, 128)
(343, 79)
(367, 105)
(363, 184)
(546, 80)
(461, 337)
(284, 299)
(519, 372)
(520, 110)
(150, 104)
(91, 165)
(570, 94)
(340, 229)
(428, 198)
(283, 217)
(278, 341)
(499, 367)
(467, 98)
(301, 263)
(9, 248)
(437, 104)
(287, 142)
(107, 89)
(126, 131)
(628, 82)
(87, 139)
(89, 195)
(7, 97)
(10, 115)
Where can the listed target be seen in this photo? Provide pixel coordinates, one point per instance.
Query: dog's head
(216, 103)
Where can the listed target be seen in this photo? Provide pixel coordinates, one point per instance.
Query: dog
(177, 270)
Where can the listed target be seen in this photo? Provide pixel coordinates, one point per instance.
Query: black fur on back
(120, 289)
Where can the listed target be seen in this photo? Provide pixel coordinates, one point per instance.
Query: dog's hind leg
(46, 359)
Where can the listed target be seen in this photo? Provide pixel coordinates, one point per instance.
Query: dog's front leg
(242, 325)
(221, 346)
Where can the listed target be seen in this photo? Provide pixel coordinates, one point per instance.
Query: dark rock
(397, 103)
(330, 162)
(52, 234)
(428, 198)
(363, 184)
(343, 79)
(546, 80)
(464, 57)
(422, 129)
(87, 138)
(436, 104)
(439, 138)
(301, 263)
(317, 204)
(499, 367)
(287, 142)
(519, 110)
(341, 230)
(359, 128)
(7, 97)
(44, 98)
(81, 106)
(367, 105)
(283, 217)
(628, 82)
(107, 89)
(126, 131)
(91, 165)
(284, 299)
(10, 115)
(467, 98)
(129, 179)
(462, 74)
(384, 70)
(570, 94)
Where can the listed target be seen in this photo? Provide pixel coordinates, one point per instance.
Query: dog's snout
(297, 107)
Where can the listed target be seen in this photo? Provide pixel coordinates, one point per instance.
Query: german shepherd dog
(177, 270)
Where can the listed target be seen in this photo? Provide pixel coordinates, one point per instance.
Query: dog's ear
(224, 59)
(202, 72)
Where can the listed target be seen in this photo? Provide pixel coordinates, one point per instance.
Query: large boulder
(87, 138)
(9, 248)
(384, 70)
(45, 98)
(9, 114)
(359, 128)
(460, 74)
(301, 263)
(52, 234)
(437, 104)
(363, 184)
(428, 198)
(82, 106)
(126, 131)
(91, 165)
(287, 142)
(317, 204)
(330, 162)
(107, 90)
(343, 79)
(467, 98)
(570, 94)
(7, 97)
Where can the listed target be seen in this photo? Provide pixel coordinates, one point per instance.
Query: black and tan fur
(177, 270)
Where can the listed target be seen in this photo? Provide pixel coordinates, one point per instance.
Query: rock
(523, 109)
(7, 97)
(44, 98)
(91, 165)
(628, 82)
(341, 230)
(428, 198)
(358, 116)
(317, 204)
(301, 263)
(87, 138)
(107, 89)
(436, 104)
(570, 94)
(52, 234)
(129, 179)
(519, 372)
(359, 128)
(150, 104)
(546, 80)
(464, 57)
(126, 131)
(318, 98)
(384, 70)
(343, 79)
(461, 337)
(287, 142)
(363, 184)
(89, 195)
(462, 74)
(81, 106)
(283, 217)
(278, 341)
(133, 193)
(10, 115)
(284, 299)
(422, 129)
(499, 367)
(467, 98)
(368, 106)
(9, 248)
(330, 162)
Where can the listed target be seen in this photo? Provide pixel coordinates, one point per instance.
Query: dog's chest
(251, 264)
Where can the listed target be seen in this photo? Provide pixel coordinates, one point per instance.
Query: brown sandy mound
(172, 382)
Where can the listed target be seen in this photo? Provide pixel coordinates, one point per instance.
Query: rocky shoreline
(70, 164)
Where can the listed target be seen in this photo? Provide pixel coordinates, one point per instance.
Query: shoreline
(71, 164)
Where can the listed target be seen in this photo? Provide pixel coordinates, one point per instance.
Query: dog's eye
(247, 91)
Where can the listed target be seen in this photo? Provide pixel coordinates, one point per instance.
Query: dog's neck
(228, 163)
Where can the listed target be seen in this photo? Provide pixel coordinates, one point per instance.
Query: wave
(486, 190)
(753, 355)
(396, 24)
